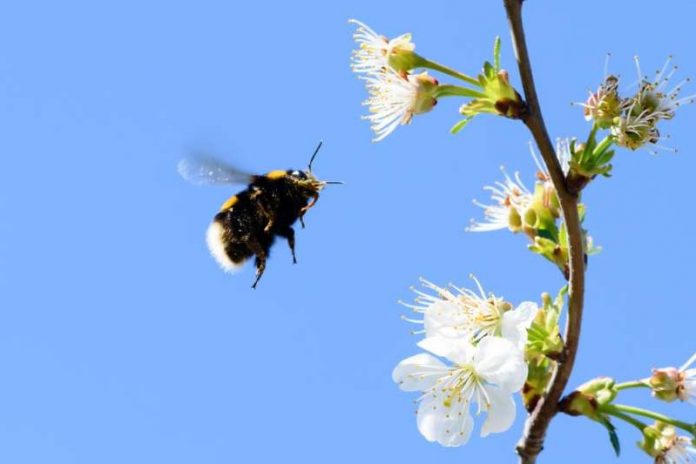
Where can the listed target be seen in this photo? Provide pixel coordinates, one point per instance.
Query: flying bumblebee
(249, 221)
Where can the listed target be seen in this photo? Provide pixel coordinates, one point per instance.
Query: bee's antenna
(311, 160)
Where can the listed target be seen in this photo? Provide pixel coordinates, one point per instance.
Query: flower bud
(587, 399)
(500, 97)
(546, 300)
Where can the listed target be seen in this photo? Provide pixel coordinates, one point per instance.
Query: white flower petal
(419, 372)
(457, 350)
(682, 451)
(511, 194)
(688, 364)
(500, 362)
(449, 426)
(445, 318)
(501, 411)
(516, 322)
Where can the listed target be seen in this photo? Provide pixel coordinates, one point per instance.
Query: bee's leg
(256, 195)
(289, 234)
(268, 215)
(315, 197)
(260, 268)
(261, 253)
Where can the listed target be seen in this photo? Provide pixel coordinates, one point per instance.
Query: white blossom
(510, 198)
(487, 374)
(455, 312)
(374, 50)
(670, 383)
(394, 99)
(652, 103)
(604, 104)
(687, 377)
(680, 451)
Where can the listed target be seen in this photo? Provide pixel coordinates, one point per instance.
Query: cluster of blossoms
(395, 95)
(478, 347)
(483, 338)
(661, 440)
(517, 208)
(596, 399)
(633, 121)
(536, 213)
(397, 92)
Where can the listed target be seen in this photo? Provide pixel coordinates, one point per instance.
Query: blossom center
(461, 385)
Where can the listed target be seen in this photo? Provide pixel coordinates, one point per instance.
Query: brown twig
(531, 443)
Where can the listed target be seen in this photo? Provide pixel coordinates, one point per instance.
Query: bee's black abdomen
(236, 234)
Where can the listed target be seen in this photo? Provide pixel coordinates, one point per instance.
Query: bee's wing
(207, 170)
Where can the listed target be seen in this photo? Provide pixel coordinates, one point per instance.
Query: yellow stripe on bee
(231, 201)
(276, 174)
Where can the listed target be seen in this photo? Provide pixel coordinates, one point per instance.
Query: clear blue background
(122, 341)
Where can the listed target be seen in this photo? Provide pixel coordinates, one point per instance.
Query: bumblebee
(248, 222)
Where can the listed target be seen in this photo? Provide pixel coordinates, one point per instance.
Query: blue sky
(121, 340)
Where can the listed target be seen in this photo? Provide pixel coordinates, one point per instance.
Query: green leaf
(460, 125)
(613, 437)
(559, 301)
(496, 53)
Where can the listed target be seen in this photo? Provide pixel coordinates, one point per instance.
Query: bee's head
(306, 180)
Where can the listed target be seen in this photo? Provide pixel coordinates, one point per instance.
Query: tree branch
(531, 443)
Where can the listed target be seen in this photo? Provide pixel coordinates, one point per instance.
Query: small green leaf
(613, 437)
(496, 53)
(460, 125)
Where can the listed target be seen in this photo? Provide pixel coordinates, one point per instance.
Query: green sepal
(593, 158)
(488, 70)
(550, 250)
